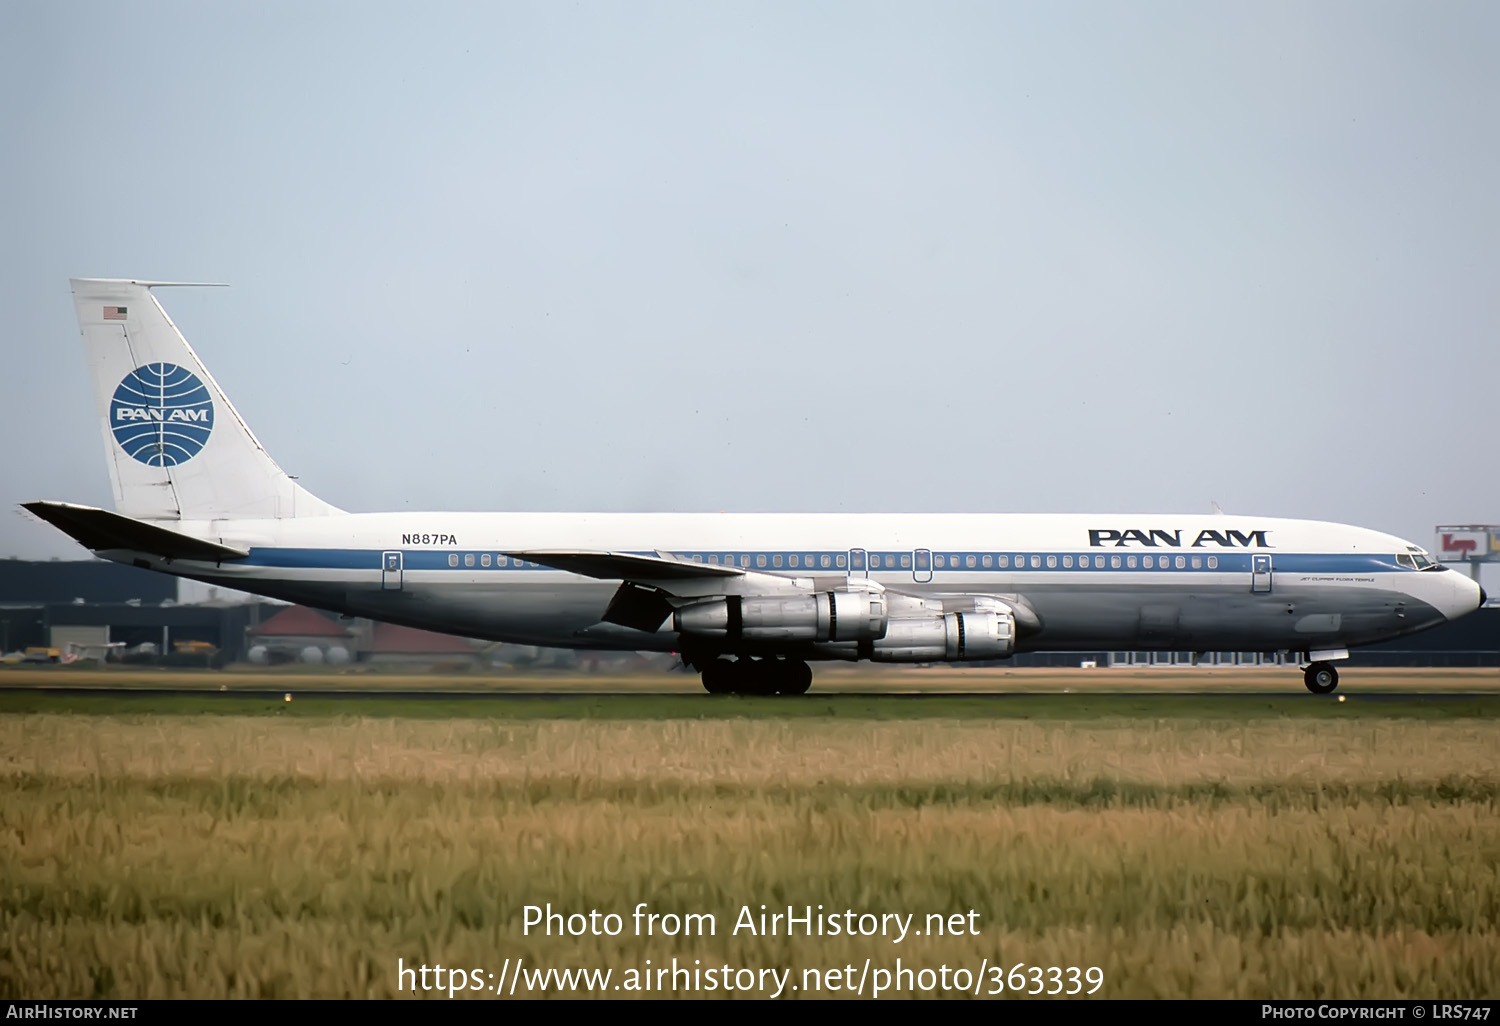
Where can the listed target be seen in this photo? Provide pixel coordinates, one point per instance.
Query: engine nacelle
(954, 637)
(825, 616)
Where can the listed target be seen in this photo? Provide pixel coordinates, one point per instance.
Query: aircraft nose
(1473, 592)
(1465, 596)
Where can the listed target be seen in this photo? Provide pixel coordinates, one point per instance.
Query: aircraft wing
(646, 582)
(99, 530)
(625, 566)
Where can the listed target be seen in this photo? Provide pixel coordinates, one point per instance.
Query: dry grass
(747, 754)
(216, 856)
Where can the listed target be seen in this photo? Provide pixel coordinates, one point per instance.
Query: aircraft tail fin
(177, 448)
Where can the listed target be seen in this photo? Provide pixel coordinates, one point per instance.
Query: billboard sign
(1468, 543)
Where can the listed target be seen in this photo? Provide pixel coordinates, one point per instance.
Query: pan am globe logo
(161, 415)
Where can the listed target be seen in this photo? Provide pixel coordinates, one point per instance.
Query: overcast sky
(779, 256)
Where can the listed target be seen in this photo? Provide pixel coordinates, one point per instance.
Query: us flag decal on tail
(114, 313)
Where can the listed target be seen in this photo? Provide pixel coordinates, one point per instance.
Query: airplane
(747, 600)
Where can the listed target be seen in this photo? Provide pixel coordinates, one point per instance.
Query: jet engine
(825, 616)
(953, 637)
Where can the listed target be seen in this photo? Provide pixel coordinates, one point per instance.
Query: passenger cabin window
(760, 560)
(776, 559)
(1114, 561)
(1181, 562)
(1197, 563)
(1130, 562)
(906, 562)
(1051, 562)
(1147, 562)
(484, 560)
(468, 559)
(1003, 561)
(1036, 562)
(969, 562)
(1213, 562)
(938, 561)
(502, 561)
(1099, 562)
(987, 561)
(792, 559)
(823, 562)
(1067, 562)
(453, 559)
(839, 560)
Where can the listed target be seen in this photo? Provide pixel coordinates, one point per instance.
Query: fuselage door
(921, 566)
(858, 563)
(1260, 573)
(390, 571)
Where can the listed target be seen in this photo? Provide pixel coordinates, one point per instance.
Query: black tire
(1321, 678)
(796, 677)
(719, 677)
(759, 677)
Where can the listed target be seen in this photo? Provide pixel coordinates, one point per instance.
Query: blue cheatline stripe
(889, 561)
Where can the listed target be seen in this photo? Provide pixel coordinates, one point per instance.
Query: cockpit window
(1420, 560)
(1404, 560)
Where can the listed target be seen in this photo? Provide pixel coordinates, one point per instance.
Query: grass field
(1186, 846)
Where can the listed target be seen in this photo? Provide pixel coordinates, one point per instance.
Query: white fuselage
(1081, 581)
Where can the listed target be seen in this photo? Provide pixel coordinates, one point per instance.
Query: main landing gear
(1320, 678)
(757, 677)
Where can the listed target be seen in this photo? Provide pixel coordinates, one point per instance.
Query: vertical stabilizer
(177, 448)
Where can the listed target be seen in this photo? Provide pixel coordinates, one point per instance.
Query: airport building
(90, 606)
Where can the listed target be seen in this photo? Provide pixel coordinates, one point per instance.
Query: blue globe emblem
(161, 415)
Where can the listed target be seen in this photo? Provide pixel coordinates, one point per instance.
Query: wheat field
(251, 856)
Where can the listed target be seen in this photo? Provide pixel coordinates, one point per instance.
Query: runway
(438, 695)
(1142, 705)
(835, 682)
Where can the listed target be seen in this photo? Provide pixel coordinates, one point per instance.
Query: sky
(823, 257)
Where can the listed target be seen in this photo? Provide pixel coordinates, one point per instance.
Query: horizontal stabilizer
(101, 530)
(623, 566)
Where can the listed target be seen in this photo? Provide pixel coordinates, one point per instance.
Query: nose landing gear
(1320, 678)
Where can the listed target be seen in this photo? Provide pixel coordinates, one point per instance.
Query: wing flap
(101, 530)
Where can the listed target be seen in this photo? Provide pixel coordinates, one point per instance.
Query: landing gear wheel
(719, 677)
(745, 676)
(1320, 678)
(759, 677)
(796, 677)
